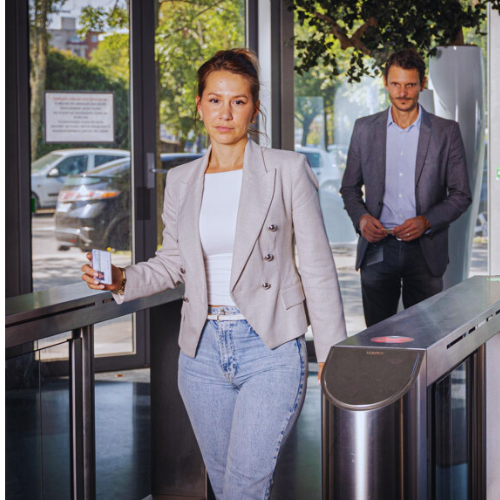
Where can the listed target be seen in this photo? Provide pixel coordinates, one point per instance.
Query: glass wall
(326, 108)
(80, 146)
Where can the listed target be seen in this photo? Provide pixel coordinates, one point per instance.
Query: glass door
(81, 148)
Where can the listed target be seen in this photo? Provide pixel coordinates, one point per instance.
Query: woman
(230, 219)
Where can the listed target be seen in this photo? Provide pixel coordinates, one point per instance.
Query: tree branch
(339, 33)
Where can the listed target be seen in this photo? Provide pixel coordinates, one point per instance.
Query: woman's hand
(320, 371)
(90, 277)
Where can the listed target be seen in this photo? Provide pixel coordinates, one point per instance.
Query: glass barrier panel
(23, 446)
(55, 400)
(453, 432)
(122, 428)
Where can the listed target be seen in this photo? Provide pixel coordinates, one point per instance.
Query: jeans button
(273, 227)
(266, 286)
(269, 257)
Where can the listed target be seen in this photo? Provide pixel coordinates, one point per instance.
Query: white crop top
(219, 209)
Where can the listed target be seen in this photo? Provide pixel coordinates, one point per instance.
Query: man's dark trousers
(403, 268)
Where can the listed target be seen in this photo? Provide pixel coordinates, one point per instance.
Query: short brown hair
(406, 59)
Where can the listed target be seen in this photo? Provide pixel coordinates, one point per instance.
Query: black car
(93, 208)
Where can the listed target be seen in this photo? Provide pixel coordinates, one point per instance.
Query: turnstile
(404, 401)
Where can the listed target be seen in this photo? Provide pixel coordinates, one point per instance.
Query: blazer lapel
(423, 144)
(379, 149)
(188, 219)
(257, 192)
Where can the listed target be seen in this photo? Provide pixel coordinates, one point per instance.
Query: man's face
(404, 87)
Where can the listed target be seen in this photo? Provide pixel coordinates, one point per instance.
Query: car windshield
(42, 162)
(117, 168)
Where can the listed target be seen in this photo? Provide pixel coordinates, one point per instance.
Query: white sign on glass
(79, 117)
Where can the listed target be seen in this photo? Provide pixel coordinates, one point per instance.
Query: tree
(39, 11)
(68, 72)
(308, 85)
(112, 57)
(368, 31)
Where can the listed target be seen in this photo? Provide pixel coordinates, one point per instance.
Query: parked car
(93, 208)
(49, 172)
(323, 165)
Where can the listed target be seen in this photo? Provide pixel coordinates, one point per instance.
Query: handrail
(39, 315)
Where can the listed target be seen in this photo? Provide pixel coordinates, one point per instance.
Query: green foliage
(368, 30)
(99, 19)
(68, 72)
(112, 57)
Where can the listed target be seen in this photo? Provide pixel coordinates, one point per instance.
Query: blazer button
(266, 286)
(185, 299)
(269, 257)
(273, 227)
(183, 271)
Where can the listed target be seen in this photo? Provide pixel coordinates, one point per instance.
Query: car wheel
(119, 236)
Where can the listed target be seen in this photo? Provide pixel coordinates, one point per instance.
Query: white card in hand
(101, 262)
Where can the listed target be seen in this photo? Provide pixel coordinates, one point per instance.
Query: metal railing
(396, 395)
(40, 315)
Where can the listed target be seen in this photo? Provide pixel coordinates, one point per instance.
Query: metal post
(83, 481)
(478, 415)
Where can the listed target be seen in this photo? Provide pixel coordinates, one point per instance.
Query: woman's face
(226, 107)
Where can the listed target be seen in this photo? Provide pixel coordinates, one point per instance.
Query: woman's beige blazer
(279, 201)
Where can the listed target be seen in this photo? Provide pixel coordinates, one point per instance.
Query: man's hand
(411, 229)
(371, 229)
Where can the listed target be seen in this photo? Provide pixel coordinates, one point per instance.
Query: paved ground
(52, 268)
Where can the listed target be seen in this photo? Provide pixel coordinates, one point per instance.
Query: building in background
(67, 38)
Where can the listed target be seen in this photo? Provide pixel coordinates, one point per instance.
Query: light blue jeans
(243, 400)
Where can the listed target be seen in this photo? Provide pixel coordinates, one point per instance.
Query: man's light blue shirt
(401, 158)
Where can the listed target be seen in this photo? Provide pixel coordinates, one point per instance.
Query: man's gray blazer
(278, 201)
(442, 191)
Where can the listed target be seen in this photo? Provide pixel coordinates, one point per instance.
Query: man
(413, 168)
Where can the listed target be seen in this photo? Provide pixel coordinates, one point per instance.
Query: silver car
(49, 172)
